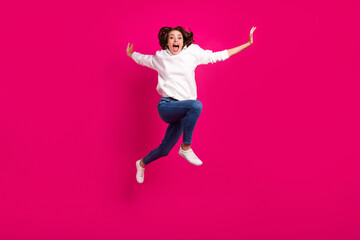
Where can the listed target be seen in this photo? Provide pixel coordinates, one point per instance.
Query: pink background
(279, 132)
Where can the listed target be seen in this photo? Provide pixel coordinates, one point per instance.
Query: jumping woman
(178, 107)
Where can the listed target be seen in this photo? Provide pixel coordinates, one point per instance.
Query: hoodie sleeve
(208, 56)
(144, 60)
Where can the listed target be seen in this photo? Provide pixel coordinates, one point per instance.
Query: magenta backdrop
(279, 132)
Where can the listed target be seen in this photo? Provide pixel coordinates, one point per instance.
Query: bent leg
(188, 110)
(172, 135)
(190, 120)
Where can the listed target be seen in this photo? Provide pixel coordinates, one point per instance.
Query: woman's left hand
(251, 41)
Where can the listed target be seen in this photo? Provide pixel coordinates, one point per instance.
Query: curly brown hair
(185, 31)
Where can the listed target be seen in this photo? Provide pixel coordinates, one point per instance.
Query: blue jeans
(182, 117)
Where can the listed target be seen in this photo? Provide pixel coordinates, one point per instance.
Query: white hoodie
(176, 77)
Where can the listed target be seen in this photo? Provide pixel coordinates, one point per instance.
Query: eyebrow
(174, 35)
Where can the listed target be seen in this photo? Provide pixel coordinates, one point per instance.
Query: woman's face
(175, 42)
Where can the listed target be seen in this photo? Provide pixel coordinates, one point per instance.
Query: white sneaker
(140, 172)
(190, 156)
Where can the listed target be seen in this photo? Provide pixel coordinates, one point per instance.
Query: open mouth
(176, 47)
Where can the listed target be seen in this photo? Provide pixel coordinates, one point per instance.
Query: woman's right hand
(129, 50)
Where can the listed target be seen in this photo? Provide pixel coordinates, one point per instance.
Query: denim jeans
(182, 117)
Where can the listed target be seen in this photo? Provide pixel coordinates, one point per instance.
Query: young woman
(178, 107)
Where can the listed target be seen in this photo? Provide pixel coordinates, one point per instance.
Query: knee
(197, 105)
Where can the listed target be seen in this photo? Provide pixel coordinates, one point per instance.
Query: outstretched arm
(238, 49)
(142, 59)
